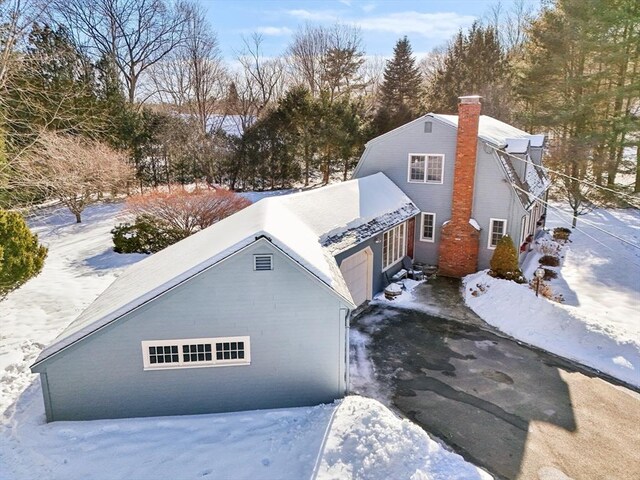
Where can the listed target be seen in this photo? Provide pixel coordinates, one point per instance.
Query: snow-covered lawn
(353, 438)
(598, 324)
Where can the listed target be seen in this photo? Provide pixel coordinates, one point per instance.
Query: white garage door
(357, 272)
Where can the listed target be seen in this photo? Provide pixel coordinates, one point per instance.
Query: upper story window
(497, 229)
(425, 168)
(196, 352)
(394, 245)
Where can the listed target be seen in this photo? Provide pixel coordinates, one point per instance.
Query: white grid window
(196, 352)
(497, 229)
(428, 231)
(425, 168)
(416, 168)
(394, 245)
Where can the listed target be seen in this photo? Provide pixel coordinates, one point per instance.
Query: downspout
(347, 318)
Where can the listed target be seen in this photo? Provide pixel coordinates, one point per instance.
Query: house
(249, 313)
(474, 179)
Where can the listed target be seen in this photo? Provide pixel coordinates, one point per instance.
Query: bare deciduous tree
(327, 58)
(136, 34)
(193, 77)
(74, 170)
(263, 77)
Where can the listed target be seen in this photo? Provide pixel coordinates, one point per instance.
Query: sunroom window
(394, 245)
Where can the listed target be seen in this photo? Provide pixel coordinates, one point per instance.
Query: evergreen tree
(21, 257)
(400, 90)
(56, 88)
(473, 64)
(504, 262)
(340, 71)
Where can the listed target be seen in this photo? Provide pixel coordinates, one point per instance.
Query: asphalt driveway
(517, 412)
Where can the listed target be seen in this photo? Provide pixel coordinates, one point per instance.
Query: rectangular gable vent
(428, 127)
(262, 262)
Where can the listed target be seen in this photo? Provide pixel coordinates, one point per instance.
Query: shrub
(164, 218)
(545, 291)
(187, 212)
(549, 261)
(549, 274)
(561, 233)
(145, 235)
(504, 263)
(21, 256)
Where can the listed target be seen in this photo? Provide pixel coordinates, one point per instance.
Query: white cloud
(314, 15)
(430, 25)
(274, 31)
(369, 7)
(345, 2)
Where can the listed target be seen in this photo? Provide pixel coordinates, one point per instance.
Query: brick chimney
(459, 240)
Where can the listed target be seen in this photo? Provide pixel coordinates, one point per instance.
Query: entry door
(357, 271)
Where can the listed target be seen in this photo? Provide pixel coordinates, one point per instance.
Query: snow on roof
(349, 210)
(298, 224)
(489, 129)
(517, 145)
(537, 140)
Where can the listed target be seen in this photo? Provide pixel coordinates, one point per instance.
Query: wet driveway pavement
(517, 412)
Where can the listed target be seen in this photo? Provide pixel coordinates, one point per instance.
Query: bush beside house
(504, 262)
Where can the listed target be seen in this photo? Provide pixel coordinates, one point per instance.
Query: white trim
(146, 361)
(504, 231)
(426, 168)
(424, 239)
(403, 246)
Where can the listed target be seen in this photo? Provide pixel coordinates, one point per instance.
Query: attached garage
(357, 271)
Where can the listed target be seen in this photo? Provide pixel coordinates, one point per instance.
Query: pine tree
(21, 257)
(473, 64)
(504, 262)
(400, 91)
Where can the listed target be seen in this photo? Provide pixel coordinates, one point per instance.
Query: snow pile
(598, 324)
(352, 438)
(367, 441)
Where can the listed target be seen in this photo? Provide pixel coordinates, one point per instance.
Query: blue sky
(427, 23)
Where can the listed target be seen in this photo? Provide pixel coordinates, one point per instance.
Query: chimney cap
(470, 99)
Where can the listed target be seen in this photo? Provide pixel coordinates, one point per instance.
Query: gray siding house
(497, 166)
(249, 313)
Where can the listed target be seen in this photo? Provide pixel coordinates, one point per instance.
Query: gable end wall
(298, 337)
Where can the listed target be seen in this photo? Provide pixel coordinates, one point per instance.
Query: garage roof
(299, 224)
